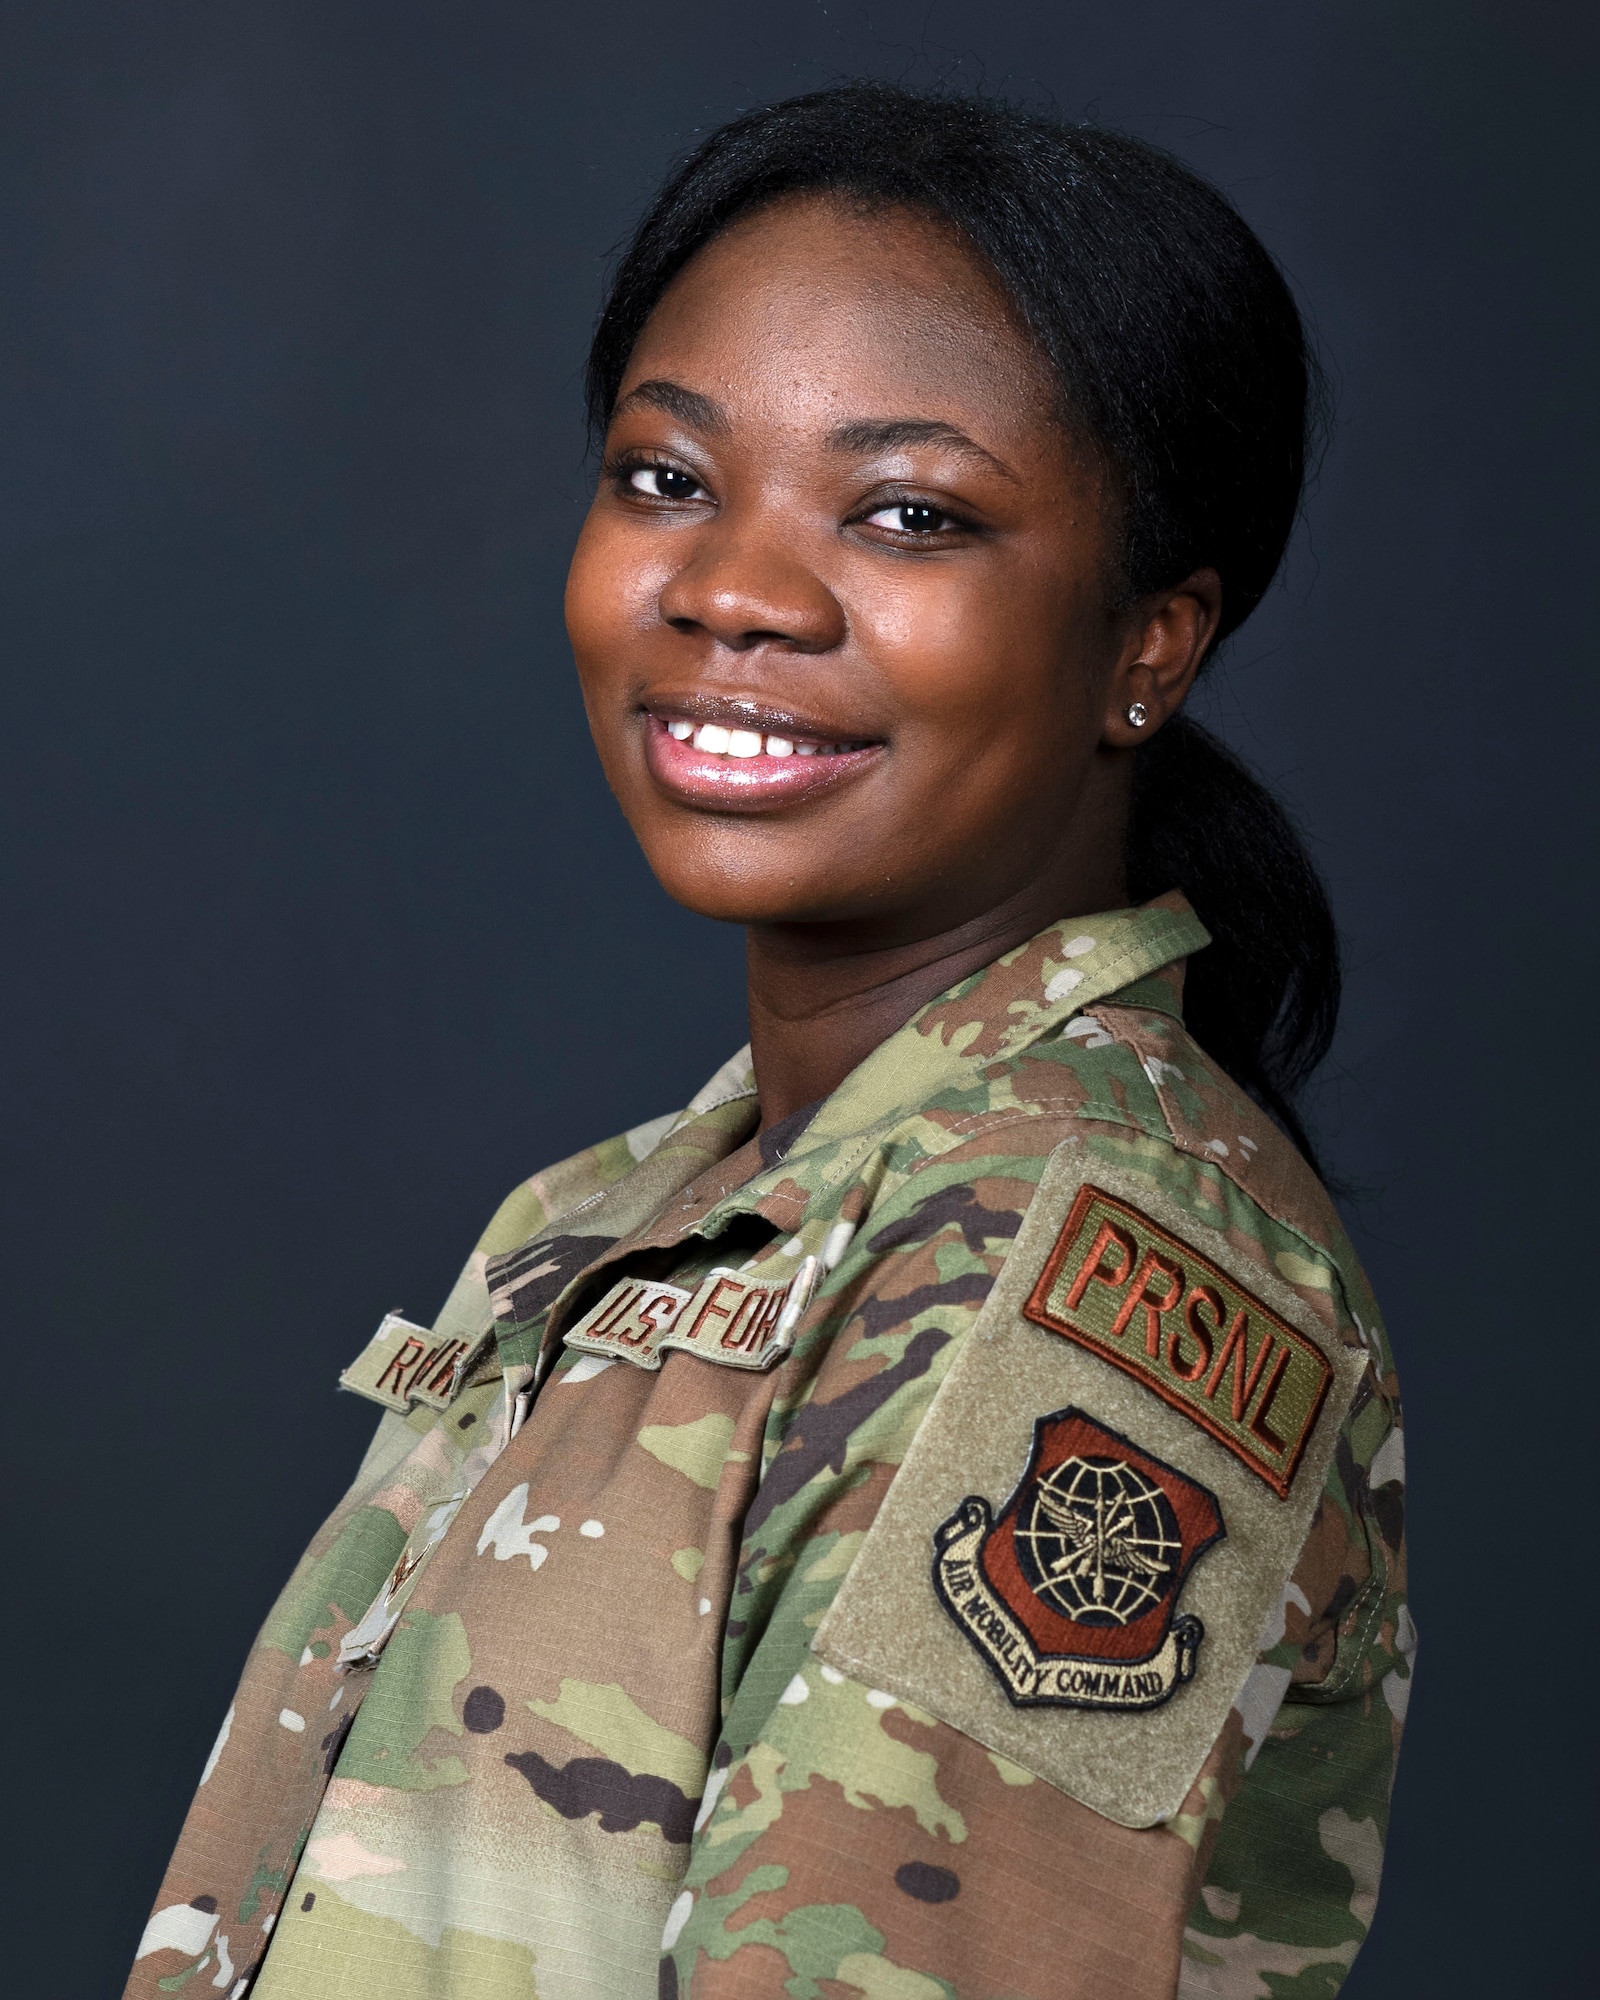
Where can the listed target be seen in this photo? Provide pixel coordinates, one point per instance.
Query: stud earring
(1138, 714)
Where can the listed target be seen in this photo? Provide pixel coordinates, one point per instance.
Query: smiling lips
(713, 764)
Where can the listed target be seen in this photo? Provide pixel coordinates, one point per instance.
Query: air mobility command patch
(1070, 1594)
(1097, 1517)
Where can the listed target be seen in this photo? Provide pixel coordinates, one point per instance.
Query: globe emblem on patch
(1098, 1541)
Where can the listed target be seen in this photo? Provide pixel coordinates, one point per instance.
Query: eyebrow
(891, 433)
(700, 413)
(863, 436)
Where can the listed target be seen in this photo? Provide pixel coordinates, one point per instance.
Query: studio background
(321, 929)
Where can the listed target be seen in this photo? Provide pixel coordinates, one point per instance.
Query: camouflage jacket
(950, 1548)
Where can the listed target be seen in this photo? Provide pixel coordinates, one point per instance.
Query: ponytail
(1263, 998)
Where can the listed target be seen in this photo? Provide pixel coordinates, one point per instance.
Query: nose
(746, 586)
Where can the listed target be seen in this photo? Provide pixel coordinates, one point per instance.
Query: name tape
(728, 1318)
(404, 1364)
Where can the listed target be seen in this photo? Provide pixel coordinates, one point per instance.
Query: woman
(925, 1519)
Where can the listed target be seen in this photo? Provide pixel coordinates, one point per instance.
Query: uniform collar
(992, 1016)
(705, 1168)
(1005, 1008)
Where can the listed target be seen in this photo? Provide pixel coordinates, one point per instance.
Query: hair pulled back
(1182, 361)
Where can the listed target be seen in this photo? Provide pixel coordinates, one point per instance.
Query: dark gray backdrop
(321, 929)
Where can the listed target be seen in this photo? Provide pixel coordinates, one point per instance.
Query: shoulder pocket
(1097, 1518)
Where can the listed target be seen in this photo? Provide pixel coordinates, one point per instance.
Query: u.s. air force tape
(1098, 1515)
(730, 1318)
(404, 1364)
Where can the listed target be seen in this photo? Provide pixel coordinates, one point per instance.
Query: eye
(662, 482)
(910, 517)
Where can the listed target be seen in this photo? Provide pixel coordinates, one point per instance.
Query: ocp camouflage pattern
(580, 1746)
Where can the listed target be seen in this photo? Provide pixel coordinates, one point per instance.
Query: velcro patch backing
(993, 1434)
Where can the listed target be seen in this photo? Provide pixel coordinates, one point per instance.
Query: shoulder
(536, 1207)
(544, 1198)
(1129, 1085)
(1176, 1323)
(1120, 1120)
(554, 1191)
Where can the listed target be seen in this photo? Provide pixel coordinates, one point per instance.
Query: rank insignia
(1070, 1595)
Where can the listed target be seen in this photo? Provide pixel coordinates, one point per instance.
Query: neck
(824, 996)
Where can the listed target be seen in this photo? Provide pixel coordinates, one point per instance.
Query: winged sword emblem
(1097, 1539)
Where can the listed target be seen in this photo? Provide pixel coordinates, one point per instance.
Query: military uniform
(948, 1546)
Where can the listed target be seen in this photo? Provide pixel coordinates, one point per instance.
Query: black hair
(1182, 362)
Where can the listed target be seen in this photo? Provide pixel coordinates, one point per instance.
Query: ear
(1168, 636)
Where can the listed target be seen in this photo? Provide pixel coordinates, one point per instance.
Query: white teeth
(720, 742)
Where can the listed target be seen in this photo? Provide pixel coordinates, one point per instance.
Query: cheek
(972, 655)
(612, 586)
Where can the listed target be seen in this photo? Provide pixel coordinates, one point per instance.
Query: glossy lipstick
(731, 764)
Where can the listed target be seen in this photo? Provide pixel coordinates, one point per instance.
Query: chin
(732, 872)
(744, 895)
(743, 902)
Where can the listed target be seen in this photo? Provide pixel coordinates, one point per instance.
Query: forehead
(812, 311)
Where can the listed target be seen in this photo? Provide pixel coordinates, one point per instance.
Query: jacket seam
(995, 1121)
(1329, 1688)
(1224, 1166)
